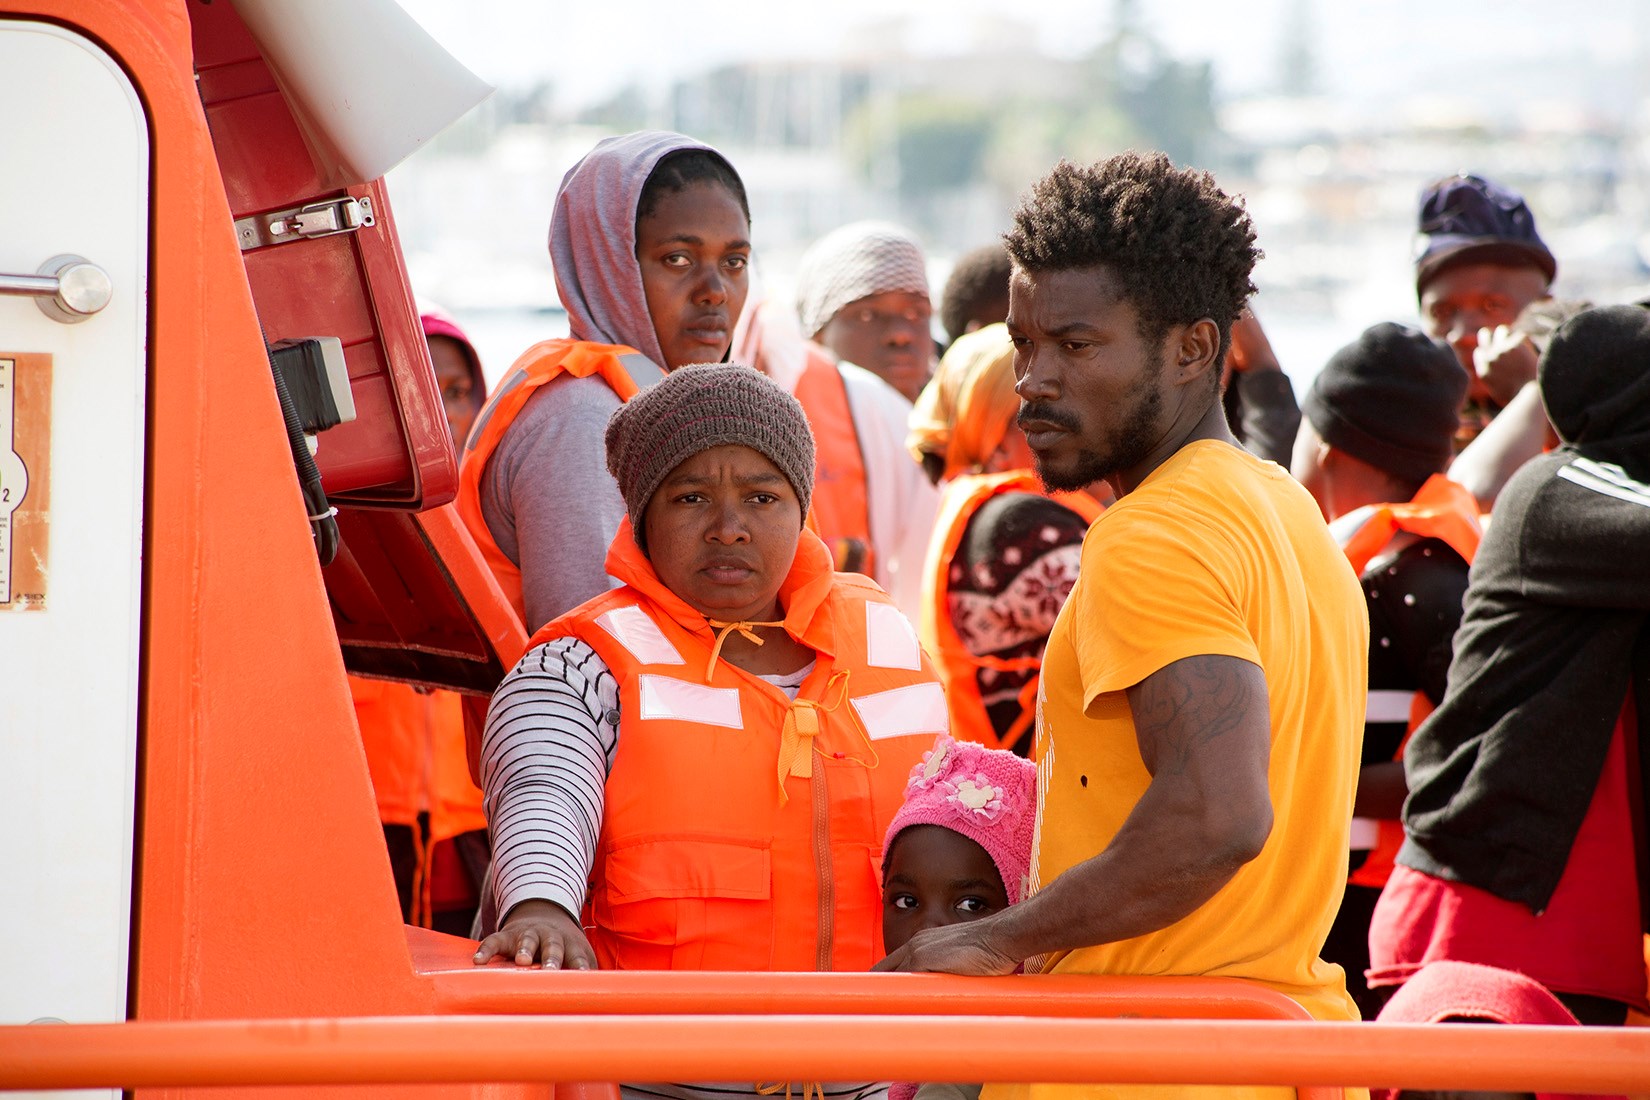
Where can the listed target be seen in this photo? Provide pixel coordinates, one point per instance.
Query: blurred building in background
(944, 144)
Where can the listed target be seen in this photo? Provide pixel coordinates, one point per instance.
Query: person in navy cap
(1479, 262)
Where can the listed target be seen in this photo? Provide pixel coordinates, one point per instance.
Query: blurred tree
(1127, 93)
(1164, 103)
(941, 141)
(627, 109)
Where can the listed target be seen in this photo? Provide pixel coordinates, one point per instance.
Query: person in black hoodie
(1525, 840)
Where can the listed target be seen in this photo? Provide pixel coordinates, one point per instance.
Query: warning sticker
(25, 502)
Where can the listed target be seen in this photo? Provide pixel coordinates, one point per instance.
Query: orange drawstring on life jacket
(811, 1090)
(746, 629)
(796, 736)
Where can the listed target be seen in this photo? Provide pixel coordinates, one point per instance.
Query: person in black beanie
(1479, 261)
(1521, 848)
(1372, 446)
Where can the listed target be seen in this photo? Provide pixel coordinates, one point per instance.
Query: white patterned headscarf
(854, 262)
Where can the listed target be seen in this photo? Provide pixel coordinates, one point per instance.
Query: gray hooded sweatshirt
(546, 495)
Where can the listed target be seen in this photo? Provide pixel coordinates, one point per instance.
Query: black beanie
(1595, 384)
(1391, 398)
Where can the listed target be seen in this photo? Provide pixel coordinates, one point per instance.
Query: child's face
(936, 877)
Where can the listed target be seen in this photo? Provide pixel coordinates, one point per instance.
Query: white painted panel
(75, 180)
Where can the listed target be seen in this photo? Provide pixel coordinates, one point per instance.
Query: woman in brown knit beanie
(722, 404)
(716, 464)
(691, 771)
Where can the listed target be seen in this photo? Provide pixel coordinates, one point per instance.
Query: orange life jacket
(958, 668)
(544, 362)
(414, 741)
(741, 830)
(1442, 510)
(841, 500)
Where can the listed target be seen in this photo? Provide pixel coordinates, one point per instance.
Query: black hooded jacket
(1553, 635)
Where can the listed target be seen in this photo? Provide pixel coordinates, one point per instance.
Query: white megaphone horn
(366, 83)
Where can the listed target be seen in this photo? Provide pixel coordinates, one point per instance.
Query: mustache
(1033, 412)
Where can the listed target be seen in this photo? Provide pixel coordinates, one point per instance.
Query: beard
(1100, 459)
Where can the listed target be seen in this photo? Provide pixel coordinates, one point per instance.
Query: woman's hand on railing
(539, 930)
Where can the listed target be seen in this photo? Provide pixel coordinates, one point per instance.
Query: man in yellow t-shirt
(1202, 698)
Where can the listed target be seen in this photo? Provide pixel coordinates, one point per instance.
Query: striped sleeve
(548, 746)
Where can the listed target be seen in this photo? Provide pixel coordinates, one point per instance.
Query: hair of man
(1181, 248)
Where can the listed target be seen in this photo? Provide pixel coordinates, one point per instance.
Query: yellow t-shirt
(1216, 552)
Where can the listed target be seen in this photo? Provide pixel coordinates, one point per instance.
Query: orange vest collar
(1440, 509)
(802, 594)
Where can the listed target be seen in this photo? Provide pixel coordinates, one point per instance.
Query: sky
(1367, 51)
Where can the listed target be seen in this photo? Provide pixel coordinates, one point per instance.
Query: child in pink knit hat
(959, 849)
(961, 845)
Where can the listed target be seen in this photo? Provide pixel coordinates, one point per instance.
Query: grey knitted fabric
(854, 262)
(694, 409)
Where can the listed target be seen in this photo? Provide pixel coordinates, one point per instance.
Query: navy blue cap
(1469, 219)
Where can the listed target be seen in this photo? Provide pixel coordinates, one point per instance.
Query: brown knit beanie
(695, 408)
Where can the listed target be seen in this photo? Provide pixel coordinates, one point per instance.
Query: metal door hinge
(316, 219)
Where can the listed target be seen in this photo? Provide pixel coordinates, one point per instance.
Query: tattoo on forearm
(1188, 705)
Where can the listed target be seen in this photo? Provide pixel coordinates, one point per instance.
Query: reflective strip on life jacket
(640, 635)
(892, 639)
(902, 711)
(686, 701)
(1386, 705)
(958, 668)
(625, 370)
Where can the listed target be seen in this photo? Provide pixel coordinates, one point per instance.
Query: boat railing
(498, 1024)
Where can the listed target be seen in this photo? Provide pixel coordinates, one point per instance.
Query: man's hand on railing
(954, 949)
(537, 930)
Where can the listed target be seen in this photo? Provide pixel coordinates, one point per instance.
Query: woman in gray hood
(650, 240)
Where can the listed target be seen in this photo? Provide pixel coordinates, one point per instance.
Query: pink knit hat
(987, 795)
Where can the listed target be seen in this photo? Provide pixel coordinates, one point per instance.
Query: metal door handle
(68, 289)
